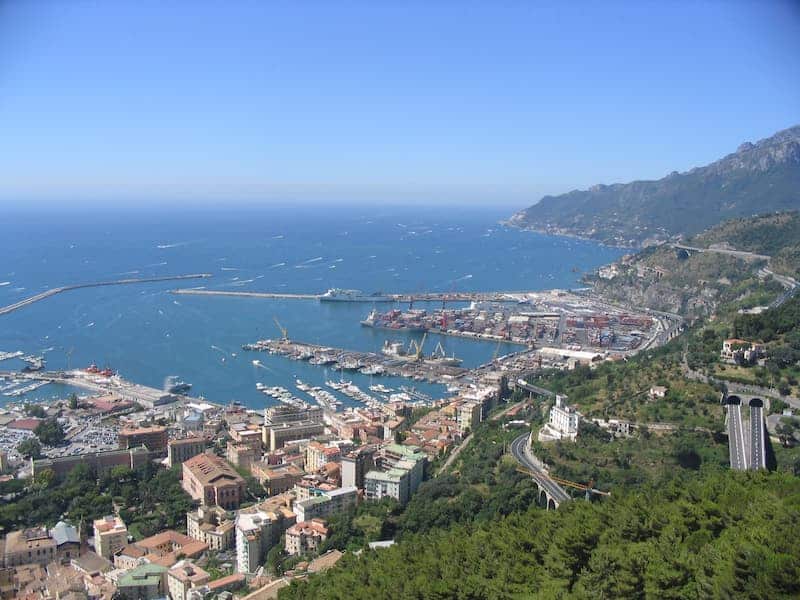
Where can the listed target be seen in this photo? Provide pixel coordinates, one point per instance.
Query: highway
(758, 458)
(520, 452)
(737, 253)
(736, 446)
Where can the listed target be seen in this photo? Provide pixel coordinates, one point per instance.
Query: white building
(254, 533)
(563, 422)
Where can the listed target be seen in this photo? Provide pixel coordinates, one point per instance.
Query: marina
(411, 366)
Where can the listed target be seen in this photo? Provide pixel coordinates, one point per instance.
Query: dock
(147, 396)
(57, 290)
(368, 363)
(270, 295)
(399, 298)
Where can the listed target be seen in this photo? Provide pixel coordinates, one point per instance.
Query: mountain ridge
(757, 178)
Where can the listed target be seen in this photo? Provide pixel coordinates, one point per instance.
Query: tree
(35, 410)
(50, 432)
(73, 401)
(785, 430)
(30, 448)
(275, 557)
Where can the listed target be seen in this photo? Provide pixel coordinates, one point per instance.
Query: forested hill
(720, 536)
(698, 283)
(776, 235)
(757, 178)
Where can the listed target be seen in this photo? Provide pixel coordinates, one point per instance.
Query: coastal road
(519, 450)
(758, 458)
(736, 446)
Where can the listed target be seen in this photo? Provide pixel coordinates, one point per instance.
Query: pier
(57, 290)
(147, 396)
(420, 368)
(271, 295)
(400, 298)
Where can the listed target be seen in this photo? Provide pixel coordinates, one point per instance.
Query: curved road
(520, 452)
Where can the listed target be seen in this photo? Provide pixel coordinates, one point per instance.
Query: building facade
(305, 537)
(209, 479)
(184, 576)
(212, 525)
(179, 451)
(110, 536)
(155, 439)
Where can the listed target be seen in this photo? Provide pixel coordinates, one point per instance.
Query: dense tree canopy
(724, 535)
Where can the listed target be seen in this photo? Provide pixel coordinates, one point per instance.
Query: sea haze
(147, 333)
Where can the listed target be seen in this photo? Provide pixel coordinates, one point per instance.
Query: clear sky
(434, 101)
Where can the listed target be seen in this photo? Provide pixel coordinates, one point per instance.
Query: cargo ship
(340, 295)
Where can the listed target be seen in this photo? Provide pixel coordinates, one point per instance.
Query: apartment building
(110, 536)
(213, 526)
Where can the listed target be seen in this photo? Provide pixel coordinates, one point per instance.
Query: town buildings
(209, 479)
(741, 351)
(355, 465)
(401, 470)
(278, 478)
(153, 438)
(256, 532)
(325, 503)
(183, 577)
(305, 537)
(286, 423)
(145, 582)
(99, 463)
(179, 451)
(29, 546)
(211, 525)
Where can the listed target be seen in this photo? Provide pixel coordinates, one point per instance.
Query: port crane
(588, 488)
(416, 348)
(284, 332)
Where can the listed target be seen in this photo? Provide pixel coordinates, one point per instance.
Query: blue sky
(443, 101)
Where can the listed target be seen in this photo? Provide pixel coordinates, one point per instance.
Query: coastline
(509, 223)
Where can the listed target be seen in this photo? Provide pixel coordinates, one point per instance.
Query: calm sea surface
(147, 334)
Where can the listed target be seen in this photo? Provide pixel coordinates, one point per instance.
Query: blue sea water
(147, 333)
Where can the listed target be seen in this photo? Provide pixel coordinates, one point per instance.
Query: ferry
(173, 385)
(340, 295)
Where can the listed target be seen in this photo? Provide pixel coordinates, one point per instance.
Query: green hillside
(720, 536)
